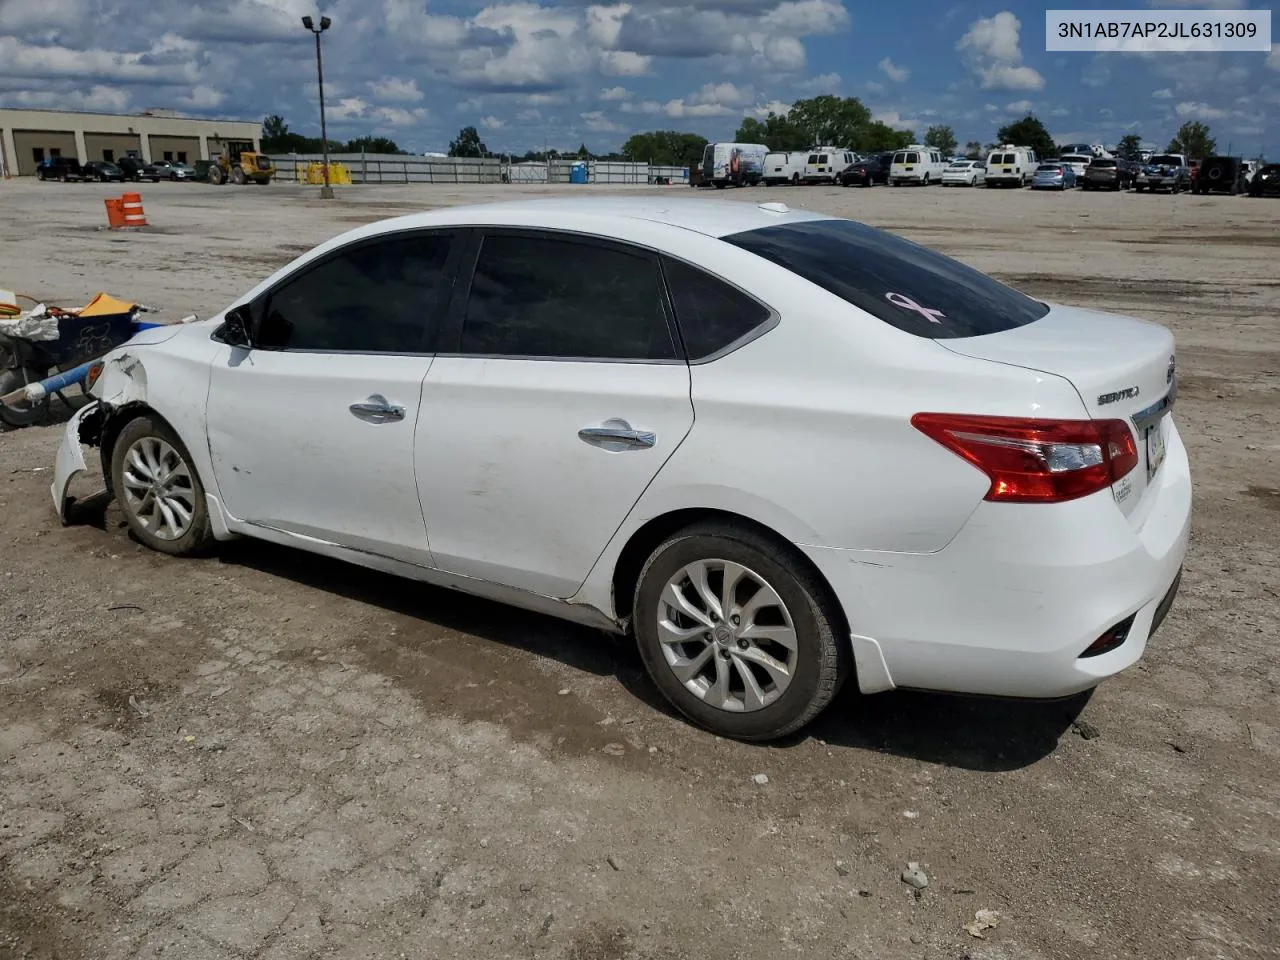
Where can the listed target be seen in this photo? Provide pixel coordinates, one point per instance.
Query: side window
(377, 297)
(543, 296)
(711, 313)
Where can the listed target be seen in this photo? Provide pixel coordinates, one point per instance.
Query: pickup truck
(1164, 171)
(60, 168)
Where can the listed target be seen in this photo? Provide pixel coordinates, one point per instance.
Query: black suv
(60, 168)
(1221, 174)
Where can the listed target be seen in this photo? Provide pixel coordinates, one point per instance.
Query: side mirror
(237, 327)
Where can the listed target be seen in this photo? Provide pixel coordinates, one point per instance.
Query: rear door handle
(617, 432)
(376, 409)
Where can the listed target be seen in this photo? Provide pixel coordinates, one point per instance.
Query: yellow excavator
(241, 164)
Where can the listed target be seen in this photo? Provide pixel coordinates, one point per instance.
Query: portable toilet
(578, 172)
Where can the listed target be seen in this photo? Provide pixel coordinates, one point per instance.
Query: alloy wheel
(158, 488)
(727, 636)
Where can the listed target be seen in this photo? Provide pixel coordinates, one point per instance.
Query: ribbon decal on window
(898, 300)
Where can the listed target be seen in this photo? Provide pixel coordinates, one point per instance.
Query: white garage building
(30, 136)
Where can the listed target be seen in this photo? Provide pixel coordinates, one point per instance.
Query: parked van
(1010, 166)
(784, 167)
(825, 164)
(733, 164)
(917, 164)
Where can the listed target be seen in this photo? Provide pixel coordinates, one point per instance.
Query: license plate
(1155, 449)
(908, 169)
(1008, 169)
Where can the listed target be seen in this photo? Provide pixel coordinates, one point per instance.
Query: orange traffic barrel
(115, 212)
(132, 206)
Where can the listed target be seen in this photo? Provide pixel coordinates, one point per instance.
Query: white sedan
(779, 447)
(964, 173)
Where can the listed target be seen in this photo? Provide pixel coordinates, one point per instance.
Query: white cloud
(597, 122)
(1163, 94)
(720, 93)
(492, 123)
(896, 120)
(1192, 110)
(400, 116)
(871, 86)
(763, 110)
(1059, 112)
(991, 50)
(892, 71)
(823, 83)
(396, 90)
(615, 93)
(1019, 106)
(1273, 58)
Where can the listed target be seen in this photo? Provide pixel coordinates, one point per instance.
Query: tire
(28, 413)
(819, 664)
(156, 444)
(925, 181)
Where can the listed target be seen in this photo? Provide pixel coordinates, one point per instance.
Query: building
(30, 136)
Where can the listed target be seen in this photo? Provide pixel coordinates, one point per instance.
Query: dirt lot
(269, 755)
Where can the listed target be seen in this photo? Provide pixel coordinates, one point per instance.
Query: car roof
(712, 218)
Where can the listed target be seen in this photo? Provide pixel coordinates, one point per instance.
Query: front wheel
(737, 634)
(155, 482)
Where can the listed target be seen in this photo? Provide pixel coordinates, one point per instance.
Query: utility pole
(326, 192)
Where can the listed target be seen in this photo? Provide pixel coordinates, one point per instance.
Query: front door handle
(376, 409)
(618, 433)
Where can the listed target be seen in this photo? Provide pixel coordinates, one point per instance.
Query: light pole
(326, 192)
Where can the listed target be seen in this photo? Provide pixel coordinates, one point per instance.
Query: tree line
(830, 120)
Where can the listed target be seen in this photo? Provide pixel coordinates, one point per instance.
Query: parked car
(60, 168)
(868, 172)
(784, 167)
(918, 164)
(1033, 461)
(102, 171)
(1010, 166)
(167, 170)
(965, 173)
(1107, 173)
(132, 166)
(1221, 175)
(1078, 162)
(1164, 171)
(1053, 176)
(1266, 182)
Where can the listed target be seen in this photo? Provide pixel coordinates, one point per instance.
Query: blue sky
(561, 72)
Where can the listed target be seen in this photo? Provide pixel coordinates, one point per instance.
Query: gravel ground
(265, 754)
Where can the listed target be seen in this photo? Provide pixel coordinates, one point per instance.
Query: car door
(563, 392)
(311, 430)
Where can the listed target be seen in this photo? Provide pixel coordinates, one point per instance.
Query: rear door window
(536, 295)
(910, 287)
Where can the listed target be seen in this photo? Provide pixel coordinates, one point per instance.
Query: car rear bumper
(1008, 607)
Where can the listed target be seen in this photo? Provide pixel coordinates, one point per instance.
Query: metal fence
(394, 168)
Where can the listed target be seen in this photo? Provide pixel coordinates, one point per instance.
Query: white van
(784, 167)
(733, 164)
(916, 164)
(825, 164)
(1010, 166)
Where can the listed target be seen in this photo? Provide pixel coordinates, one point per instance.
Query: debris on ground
(613, 862)
(982, 921)
(841, 868)
(914, 877)
(760, 779)
(1086, 729)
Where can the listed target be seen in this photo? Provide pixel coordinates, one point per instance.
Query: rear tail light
(1036, 461)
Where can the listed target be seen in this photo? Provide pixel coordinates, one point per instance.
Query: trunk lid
(1122, 367)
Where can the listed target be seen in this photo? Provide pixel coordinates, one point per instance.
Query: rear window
(1002, 158)
(1101, 162)
(1048, 168)
(910, 287)
(912, 158)
(1164, 160)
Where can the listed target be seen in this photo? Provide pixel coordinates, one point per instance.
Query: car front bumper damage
(82, 429)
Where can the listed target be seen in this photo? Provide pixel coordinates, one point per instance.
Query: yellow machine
(240, 163)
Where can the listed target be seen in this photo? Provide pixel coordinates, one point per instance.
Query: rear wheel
(737, 634)
(155, 482)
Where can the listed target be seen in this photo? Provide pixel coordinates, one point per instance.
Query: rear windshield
(911, 158)
(1048, 168)
(1103, 163)
(960, 164)
(1164, 160)
(1002, 158)
(910, 287)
